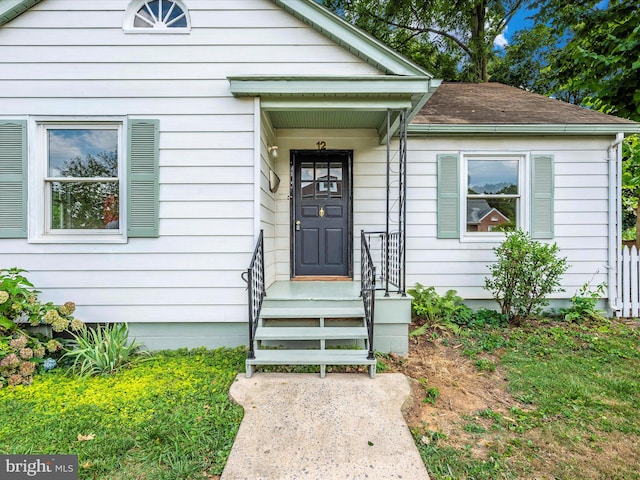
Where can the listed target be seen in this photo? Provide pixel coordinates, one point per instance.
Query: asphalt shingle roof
(498, 104)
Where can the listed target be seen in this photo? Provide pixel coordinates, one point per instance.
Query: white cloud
(501, 41)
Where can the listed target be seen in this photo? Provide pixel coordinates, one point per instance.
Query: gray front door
(321, 206)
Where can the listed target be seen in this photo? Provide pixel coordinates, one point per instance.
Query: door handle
(298, 225)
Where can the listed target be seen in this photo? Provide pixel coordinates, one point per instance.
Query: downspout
(614, 279)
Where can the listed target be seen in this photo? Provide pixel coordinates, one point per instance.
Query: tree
(580, 52)
(454, 40)
(631, 183)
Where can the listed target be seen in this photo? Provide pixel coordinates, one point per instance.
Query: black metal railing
(368, 289)
(388, 254)
(254, 277)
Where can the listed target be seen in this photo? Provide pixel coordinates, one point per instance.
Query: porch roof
(336, 102)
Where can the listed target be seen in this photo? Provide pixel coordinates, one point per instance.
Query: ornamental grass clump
(525, 274)
(101, 351)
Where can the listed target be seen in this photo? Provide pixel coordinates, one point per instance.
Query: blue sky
(518, 22)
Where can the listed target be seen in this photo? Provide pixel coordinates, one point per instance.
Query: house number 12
(322, 145)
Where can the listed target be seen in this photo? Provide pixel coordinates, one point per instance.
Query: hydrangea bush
(21, 353)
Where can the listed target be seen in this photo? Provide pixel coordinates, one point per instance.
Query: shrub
(21, 354)
(583, 304)
(102, 350)
(525, 273)
(19, 304)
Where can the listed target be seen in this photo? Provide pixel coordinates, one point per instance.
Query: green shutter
(448, 196)
(142, 178)
(542, 221)
(13, 179)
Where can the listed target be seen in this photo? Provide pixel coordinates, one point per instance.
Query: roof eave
(351, 38)
(10, 9)
(524, 129)
(249, 86)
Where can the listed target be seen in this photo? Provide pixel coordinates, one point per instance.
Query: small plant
(583, 304)
(101, 351)
(485, 317)
(431, 394)
(485, 365)
(525, 274)
(433, 308)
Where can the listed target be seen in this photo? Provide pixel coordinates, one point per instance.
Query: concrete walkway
(345, 426)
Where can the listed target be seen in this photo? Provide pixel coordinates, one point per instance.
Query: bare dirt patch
(552, 451)
(463, 391)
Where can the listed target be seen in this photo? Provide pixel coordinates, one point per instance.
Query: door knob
(298, 225)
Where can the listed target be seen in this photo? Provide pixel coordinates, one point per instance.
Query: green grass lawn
(170, 417)
(167, 417)
(579, 390)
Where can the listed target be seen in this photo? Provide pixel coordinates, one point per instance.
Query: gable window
(483, 195)
(153, 16)
(493, 194)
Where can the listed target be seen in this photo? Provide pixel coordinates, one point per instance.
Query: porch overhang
(337, 102)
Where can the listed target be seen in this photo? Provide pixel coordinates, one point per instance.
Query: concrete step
(311, 311)
(311, 303)
(311, 357)
(311, 333)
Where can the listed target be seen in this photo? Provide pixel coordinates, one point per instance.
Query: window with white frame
(154, 16)
(79, 169)
(493, 194)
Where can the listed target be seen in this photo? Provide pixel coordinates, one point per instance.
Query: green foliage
(101, 351)
(454, 41)
(22, 353)
(580, 384)
(487, 318)
(167, 417)
(631, 186)
(19, 304)
(433, 308)
(525, 273)
(431, 394)
(583, 304)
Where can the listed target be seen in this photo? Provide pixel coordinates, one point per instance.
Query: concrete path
(345, 426)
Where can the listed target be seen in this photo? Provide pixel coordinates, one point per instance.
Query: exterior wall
(581, 213)
(369, 185)
(67, 58)
(267, 212)
(580, 200)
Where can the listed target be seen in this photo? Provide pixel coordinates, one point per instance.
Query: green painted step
(311, 357)
(311, 333)
(312, 312)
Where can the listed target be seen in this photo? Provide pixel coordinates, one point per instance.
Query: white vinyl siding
(580, 205)
(72, 58)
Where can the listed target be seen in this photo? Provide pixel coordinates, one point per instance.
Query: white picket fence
(628, 283)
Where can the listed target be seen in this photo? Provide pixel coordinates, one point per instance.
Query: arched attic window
(157, 16)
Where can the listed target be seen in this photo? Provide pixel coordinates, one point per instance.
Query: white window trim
(130, 15)
(38, 215)
(524, 179)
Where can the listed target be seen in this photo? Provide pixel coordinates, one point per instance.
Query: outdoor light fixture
(273, 150)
